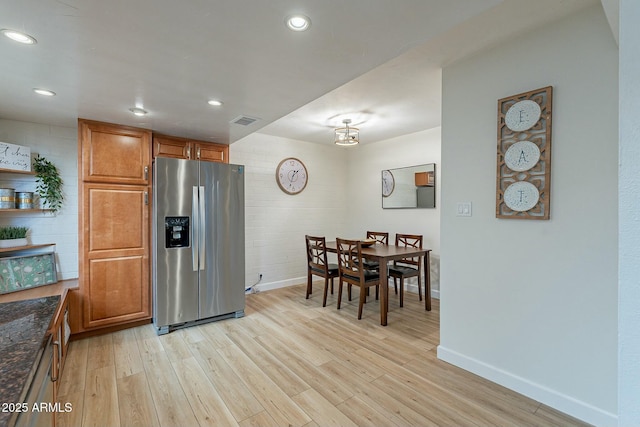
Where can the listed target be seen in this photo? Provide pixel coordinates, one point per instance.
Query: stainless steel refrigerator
(198, 242)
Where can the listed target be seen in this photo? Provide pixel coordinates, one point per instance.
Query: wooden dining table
(385, 253)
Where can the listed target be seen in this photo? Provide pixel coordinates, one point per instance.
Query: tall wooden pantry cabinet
(114, 225)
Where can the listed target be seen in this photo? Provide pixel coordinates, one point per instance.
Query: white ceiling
(377, 62)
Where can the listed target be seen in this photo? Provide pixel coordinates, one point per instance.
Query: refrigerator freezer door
(175, 283)
(223, 280)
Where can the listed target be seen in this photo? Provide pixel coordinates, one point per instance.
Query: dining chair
(351, 270)
(381, 238)
(317, 265)
(407, 267)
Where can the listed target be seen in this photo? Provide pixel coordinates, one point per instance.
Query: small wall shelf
(18, 172)
(27, 173)
(25, 210)
(27, 247)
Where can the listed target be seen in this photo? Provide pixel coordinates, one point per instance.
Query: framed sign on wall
(523, 182)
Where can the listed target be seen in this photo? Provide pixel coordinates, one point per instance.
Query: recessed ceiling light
(138, 111)
(298, 22)
(44, 92)
(214, 102)
(19, 37)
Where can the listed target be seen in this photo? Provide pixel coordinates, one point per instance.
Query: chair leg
(363, 293)
(349, 291)
(401, 292)
(377, 292)
(332, 286)
(420, 288)
(339, 293)
(308, 285)
(326, 288)
(395, 285)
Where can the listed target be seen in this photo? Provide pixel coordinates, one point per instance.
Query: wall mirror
(410, 187)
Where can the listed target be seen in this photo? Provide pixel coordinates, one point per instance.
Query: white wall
(533, 304)
(629, 206)
(276, 223)
(366, 161)
(60, 146)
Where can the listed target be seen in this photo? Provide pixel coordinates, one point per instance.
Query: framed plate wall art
(523, 182)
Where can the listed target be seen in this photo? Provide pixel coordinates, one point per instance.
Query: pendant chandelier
(347, 136)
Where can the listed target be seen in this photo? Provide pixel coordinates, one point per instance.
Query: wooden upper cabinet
(114, 153)
(211, 152)
(166, 146)
(183, 148)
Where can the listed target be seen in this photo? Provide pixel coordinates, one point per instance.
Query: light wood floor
(288, 362)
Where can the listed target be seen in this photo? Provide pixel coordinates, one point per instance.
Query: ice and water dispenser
(176, 231)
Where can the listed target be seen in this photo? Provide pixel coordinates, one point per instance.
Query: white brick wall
(276, 223)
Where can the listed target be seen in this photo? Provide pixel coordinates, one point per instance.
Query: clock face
(291, 176)
(521, 196)
(522, 156)
(388, 183)
(522, 115)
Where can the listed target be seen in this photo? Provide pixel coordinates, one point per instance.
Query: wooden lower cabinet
(115, 276)
(114, 294)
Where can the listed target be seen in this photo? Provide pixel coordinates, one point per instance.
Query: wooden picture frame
(523, 179)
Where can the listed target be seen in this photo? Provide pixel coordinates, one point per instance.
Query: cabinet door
(115, 272)
(114, 153)
(62, 329)
(211, 152)
(171, 147)
(56, 366)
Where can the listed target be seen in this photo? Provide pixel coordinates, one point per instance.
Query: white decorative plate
(522, 115)
(521, 196)
(522, 156)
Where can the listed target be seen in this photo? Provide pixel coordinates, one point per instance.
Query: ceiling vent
(244, 120)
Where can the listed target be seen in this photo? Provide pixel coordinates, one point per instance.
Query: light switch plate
(464, 209)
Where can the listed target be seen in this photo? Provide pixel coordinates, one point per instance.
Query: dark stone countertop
(23, 335)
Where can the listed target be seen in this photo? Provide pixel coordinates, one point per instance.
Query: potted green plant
(48, 184)
(11, 236)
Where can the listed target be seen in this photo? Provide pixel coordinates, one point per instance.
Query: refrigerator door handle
(202, 228)
(195, 225)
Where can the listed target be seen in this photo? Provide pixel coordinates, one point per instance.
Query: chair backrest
(316, 253)
(409, 240)
(350, 265)
(380, 236)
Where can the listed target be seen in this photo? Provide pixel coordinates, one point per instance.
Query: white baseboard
(552, 398)
(435, 293)
(262, 287)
